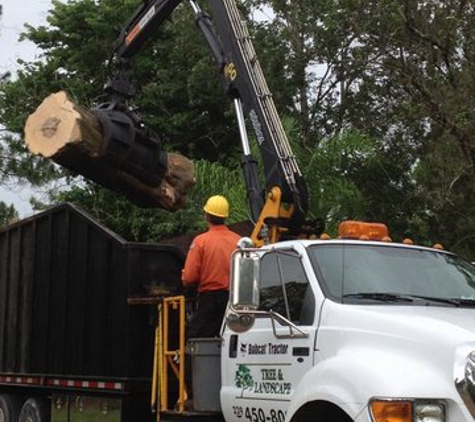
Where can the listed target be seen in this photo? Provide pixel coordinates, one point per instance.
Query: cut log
(83, 141)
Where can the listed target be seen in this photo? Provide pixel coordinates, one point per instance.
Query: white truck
(349, 330)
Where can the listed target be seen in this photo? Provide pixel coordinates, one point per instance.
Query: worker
(207, 266)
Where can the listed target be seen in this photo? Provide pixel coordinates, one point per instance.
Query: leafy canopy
(377, 96)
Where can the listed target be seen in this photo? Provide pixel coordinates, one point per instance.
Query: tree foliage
(149, 225)
(8, 214)
(180, 94)
(376, 97)
(400, 73)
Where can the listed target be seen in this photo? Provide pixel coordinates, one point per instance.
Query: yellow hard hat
(218, 206)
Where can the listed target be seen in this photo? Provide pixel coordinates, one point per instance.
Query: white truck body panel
(356, 352)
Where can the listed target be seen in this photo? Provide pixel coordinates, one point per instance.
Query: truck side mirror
(245, 280)
(245, 283)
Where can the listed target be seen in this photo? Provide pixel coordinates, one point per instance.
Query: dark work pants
(208, 317)
(206, 322)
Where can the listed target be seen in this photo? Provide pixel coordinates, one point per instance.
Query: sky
(15, 14)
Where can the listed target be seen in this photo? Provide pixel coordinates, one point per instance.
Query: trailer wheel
(9, 408)
(35, 410)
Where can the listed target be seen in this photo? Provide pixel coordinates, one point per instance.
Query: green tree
(151, 225)
(377, 93)
(8, 214)
(349, 174)
(316, 45)
(400, 73)
(180, 93)
(419, 85)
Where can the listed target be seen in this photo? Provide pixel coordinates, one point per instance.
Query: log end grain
(55, 125)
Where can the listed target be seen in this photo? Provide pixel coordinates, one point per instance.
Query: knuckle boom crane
(284, 204)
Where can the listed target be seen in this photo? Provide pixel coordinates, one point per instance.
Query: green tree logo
(243, 377)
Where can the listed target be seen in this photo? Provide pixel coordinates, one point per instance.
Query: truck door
(261, 368)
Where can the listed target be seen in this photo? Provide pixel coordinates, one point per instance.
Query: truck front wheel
(9, 408)
(322, 411)
(35, 410)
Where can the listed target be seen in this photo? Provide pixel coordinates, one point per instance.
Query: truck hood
(397, 344)
(398, 326)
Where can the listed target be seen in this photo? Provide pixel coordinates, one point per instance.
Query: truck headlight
(464, 375)
(406, 411)
(429, 412)
(470, 370)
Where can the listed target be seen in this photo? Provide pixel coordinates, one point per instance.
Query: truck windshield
(387, 274)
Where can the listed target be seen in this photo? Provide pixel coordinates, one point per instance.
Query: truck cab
(349, 330)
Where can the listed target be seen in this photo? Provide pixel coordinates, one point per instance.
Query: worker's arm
(193, 264)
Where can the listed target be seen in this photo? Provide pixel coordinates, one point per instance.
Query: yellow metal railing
(165, 359)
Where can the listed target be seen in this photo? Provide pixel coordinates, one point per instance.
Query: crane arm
(285, 200)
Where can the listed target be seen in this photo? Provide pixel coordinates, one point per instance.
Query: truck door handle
(301, 351)
(233, 343)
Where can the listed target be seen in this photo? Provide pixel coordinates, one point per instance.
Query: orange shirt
(208, 261)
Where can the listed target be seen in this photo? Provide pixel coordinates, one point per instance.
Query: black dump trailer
(71, 347)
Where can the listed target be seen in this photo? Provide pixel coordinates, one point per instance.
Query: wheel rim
(2, 416)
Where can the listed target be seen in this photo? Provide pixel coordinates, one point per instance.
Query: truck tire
(321, 411)
(35, 410)
(9, 408)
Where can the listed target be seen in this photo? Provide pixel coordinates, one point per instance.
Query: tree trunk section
(74, 137)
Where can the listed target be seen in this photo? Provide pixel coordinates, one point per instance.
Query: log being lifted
(106, 149)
